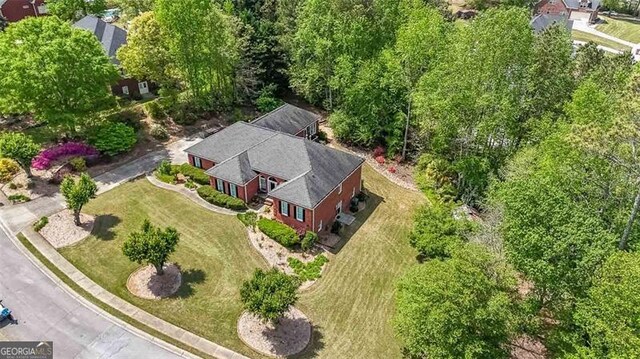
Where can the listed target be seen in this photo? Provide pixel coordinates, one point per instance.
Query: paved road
(44, 310)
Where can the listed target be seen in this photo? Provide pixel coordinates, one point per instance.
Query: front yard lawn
(623, 29)
(350, 306)
(213, 251)
(586, 37)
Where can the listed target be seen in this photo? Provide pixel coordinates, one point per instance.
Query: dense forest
(538, 137)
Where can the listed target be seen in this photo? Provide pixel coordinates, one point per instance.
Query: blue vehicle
(5, 313)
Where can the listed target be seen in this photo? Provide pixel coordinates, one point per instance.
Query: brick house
(290, 119)
(16, 10)
(581, 10)
(308, 183)
(112, 38)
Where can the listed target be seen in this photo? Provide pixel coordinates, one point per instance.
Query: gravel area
(145, 283)
(289, 336)
(62, 232)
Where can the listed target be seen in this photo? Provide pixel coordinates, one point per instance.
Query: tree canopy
(20, 148)
(152, 245)
(77, 193)
(269, 294)
(54, 71)
(72, 10)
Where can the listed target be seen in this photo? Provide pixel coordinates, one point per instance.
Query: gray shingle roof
(287, 118)
(111, 37)
(575, 4)
(311, 170)
(544, 21)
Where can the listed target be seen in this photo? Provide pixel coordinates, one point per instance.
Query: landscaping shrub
(190, 184)
(435, 232)
(336, 227)
(154, 110)
(182, 114)
(212, 196)
(322, 136)
(380, 159)
(13, 186)
(114, 138)
(196, 174)
(378, 151)
(76, 149)
(8, 168)
(129, 116)
(171, 179)
(392, 169)
(308, 240)
(79, 164)
(164, 168)
(159, 132)
(40, 224)
(248, 219)
(279, 232)
(308, 271)
(18, 198)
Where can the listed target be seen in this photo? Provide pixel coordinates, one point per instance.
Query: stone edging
(192, 195)
(125, 307)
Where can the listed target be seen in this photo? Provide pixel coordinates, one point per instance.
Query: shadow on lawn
(373, 201)
(103, 227)
(189, 278)
(315, 346)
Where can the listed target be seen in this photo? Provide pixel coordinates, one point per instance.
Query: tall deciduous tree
(152, 245)
(610, 314)
(78, 193)
(457, 308)
(132, 8)
(73, 10)
(145, 55)
(202, 46)
(20, 148)
(58, 73)
(269, 294)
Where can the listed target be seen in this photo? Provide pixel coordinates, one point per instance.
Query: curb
(122, 306)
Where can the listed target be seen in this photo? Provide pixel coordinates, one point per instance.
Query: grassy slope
(213, 253)
(352, 305)
(584, 36)
(625, 30)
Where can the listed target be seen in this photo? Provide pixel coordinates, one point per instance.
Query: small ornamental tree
(20, 148)
(78, 193)
(114, 138)
(152, 245)
(269, 294)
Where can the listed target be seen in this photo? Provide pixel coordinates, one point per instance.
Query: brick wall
(326, 210)
(16, 10)
(552, 7)
(206, 164)
(291, 220)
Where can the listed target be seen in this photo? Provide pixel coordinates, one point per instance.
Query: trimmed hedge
(196, 174)
(309, 240)
(279, 232)
(248, 219)
(40, 224)
(212, 196)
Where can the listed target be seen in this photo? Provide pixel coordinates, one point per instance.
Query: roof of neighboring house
(544, 21)
(575, 4)
(111, 37)
(287, 118)
(311, 170)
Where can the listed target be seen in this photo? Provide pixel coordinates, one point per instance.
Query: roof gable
(287, 118)
(111, 37)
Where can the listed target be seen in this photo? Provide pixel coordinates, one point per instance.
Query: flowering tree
(70, 149)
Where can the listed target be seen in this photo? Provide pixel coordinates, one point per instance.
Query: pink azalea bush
(380, 160)
(70, 149)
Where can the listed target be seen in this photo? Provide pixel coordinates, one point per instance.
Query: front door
(272, 184)
(263, 184)
(143, 87)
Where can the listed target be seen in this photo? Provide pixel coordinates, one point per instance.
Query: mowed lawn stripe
(214, 254)
(352, 304)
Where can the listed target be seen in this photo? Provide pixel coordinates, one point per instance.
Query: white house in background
(635, 52)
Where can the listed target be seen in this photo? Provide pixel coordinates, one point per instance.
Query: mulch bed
(289, 336)
(61, 231)
(145, 283)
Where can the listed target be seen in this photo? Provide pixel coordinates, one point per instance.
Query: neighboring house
(308, 183)
(582, 10)
(635, 53)
(290, 119)
(112, 38)
(542, 22)
(16, 10)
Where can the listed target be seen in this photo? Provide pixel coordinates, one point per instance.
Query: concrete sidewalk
(585, 27)
(125, 307)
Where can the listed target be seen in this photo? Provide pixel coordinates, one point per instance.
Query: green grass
(214, 254)
(350, 306)
(586, 37)
(76, 288)
(620, 28)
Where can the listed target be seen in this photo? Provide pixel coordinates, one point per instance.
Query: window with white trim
(300, 214)
(233, 190)
(220, 185)
(197, 162)
(353, 193)
(320, 226)
(125, 90)
(284, 208)
(340, 189)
